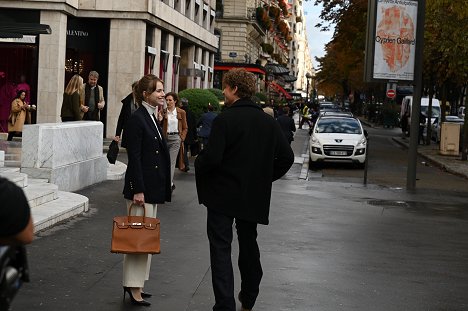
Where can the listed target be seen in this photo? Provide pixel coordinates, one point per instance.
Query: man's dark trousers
(219, 229)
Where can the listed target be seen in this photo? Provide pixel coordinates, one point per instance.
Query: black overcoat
(148, 168)
(287, 125)
(247, 151)
(125, 113)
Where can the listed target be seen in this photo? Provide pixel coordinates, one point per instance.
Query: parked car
(337, 138)
(435, 127)
(407, 107)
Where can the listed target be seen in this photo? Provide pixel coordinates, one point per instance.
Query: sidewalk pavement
(452, 164)
(329, 246)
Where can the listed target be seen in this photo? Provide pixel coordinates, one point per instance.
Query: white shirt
(172, 121)
(151, 110)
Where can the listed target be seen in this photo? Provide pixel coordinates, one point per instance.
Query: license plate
(338, 153)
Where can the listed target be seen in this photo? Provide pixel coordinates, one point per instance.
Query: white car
(337, 139)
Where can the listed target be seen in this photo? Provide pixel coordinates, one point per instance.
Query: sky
(317, 39)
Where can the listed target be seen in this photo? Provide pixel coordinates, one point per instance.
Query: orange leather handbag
(135, 234)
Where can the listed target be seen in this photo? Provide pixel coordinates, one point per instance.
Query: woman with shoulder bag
(147, 179)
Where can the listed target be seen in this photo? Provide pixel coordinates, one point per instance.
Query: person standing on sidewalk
(92, 97)
(147, 179)
(247, 151)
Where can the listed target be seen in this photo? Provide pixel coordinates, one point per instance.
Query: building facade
(266, 37)
(122, 40)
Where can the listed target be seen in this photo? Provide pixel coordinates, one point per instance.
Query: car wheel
(313, 165)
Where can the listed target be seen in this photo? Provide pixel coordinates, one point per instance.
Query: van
(406, 107)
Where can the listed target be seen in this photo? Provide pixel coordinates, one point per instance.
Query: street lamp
(308, 76)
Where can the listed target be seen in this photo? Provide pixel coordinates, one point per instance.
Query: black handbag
(113, 152)
(13, 272)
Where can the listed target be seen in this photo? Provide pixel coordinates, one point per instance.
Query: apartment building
(267, 37)
(50, 41)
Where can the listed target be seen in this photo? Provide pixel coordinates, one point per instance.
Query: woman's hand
(117, 138)
(139, 198)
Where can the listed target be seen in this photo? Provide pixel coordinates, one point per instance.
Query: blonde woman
(71, 100)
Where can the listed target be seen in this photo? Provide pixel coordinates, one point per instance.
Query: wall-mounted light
(175, 63)
(164, 59)
(151, 51)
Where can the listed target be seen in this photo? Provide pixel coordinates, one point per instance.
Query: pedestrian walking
(147, 179)
(191, 137)
(204, 124)
(287, 124)
(247, 151)
(175, 131)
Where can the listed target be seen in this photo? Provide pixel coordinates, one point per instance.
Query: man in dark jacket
(287, 124)
(247, 151)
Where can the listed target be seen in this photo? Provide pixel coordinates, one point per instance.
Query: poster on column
(395, 39)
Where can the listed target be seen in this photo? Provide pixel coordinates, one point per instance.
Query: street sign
(391, 93)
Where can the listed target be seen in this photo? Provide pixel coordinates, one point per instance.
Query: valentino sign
(77, 33)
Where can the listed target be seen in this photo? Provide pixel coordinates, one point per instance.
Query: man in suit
(247, 151)
(92, 98)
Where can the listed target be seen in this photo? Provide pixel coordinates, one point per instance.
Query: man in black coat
(246, 152)
(287, 124)
(129, 106)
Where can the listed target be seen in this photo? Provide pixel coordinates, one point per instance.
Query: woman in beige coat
(18, 115)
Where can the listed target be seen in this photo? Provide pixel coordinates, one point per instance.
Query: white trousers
(136, 267)
(173, 144)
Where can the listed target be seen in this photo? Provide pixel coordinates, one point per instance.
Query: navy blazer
(148, 168)
(246, 153)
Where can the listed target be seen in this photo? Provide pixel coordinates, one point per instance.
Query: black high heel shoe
(133, 300)
(146, 295)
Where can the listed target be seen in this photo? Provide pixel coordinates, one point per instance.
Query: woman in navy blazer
(147, 179)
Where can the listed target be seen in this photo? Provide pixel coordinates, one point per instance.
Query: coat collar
(245, 102)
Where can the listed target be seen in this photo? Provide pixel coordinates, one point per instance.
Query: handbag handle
(130, 210)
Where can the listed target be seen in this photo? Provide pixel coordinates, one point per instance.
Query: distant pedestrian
(174, 130)
(204, 124)
(19, 115)
(191, 137)
(147, 179)
(129, 106)
(92, 97)
(70, 110)
(287, 124)
(234, 173)
(422, 126)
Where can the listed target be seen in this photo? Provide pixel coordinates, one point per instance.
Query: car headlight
(314, 140)
(362, 142)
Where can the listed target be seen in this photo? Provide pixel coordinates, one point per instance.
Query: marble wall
(67, 154)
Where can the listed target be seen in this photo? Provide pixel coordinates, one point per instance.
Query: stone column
(51, 71)
(126, 64)
(168, 87)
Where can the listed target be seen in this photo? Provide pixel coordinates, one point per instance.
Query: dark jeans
(219, 228)
(68, 119)
(186, 160)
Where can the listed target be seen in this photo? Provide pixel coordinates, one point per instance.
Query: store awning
(276, 69)
(249, 67)
(18, 30)
(279, 89)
